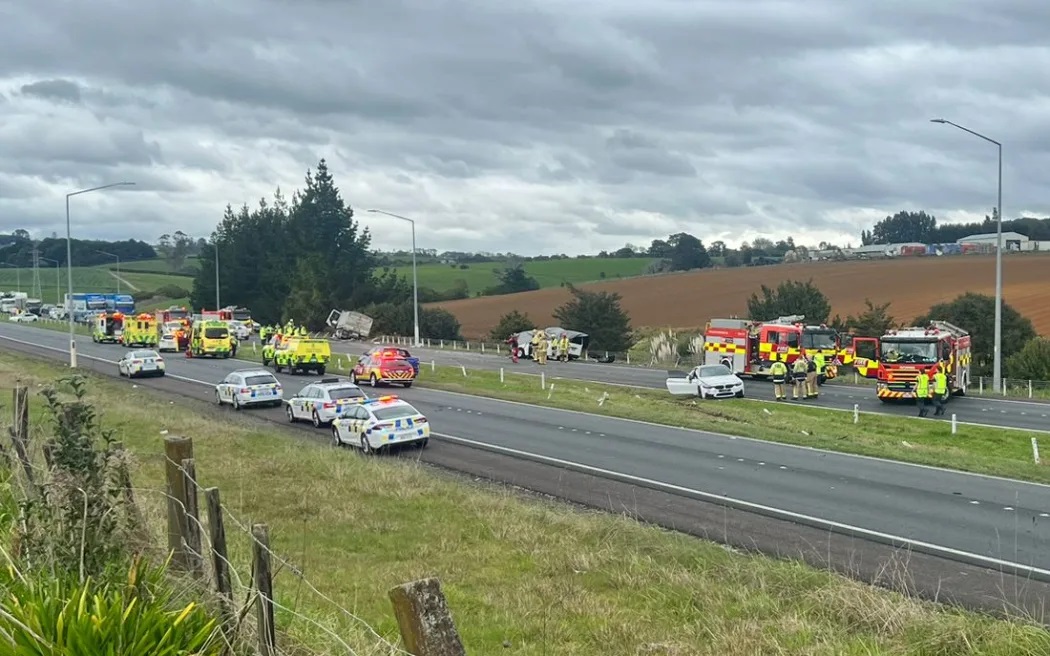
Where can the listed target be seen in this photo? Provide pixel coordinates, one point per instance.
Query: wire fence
(200, 564)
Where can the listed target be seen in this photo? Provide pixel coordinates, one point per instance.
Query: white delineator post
(1035, 450)
(955, 425)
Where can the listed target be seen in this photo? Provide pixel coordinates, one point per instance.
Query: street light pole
(216, 246)
(415, 277)
(69, 268)
(118, 266)
(997, 349)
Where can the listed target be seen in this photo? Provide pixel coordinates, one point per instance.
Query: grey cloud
(64, 90)
(617, 119)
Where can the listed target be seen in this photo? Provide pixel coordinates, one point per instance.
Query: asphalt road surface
(1008, 413)
(977, 539)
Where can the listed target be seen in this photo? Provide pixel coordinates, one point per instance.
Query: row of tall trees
(18, 250)
(975, 313)
(300, 258)
(907, 226)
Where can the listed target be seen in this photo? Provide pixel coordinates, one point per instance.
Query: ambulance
(210, 338)
(109, 328)
(140, 330)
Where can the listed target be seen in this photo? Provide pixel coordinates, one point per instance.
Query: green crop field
(158, 265)
(548, 273)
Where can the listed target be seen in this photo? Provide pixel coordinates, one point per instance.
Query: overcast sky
(532, 126)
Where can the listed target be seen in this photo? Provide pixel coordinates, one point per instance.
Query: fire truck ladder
(948, 327)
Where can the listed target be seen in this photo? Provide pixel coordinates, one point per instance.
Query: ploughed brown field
(689, 300)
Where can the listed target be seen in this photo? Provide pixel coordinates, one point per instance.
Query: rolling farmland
(93, 279)
(689, 300)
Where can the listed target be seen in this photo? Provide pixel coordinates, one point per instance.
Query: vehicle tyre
(335, 437)
(366, 448)
(236, 403)
(739, 395)
(320, 371)
(353, 378)
(423, 443)
(373, 381)
(289, 413)
(218, 399)
(316, 419)
(406, 385)
(521, 353)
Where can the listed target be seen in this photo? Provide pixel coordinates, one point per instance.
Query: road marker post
(955, 425)
(1029, 388)
(543, 380)
(483, 347)
(1035, 450)
(856, 413)
(433, 365)
(501, 375)
(980, 385)
(464, 368)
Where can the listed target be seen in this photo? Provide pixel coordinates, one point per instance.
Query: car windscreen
(142, 355)
(345, 393)
(714, 370)
(259, 380)
(216, 333)
(818, 340)
(395, 412)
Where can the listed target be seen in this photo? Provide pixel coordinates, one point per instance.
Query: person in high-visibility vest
(778, 371)
(563, 348)
(818, 359)
(940, 391)
(922, 393)
(798, 371)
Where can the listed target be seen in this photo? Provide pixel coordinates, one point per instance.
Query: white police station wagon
(322, 401)
(380, 423)
(249, 387)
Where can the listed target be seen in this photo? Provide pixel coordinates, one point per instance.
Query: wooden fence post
(20, 433)
(193, 518)
(177, 449)
(423, 616)
(220, 563)
(262, 573)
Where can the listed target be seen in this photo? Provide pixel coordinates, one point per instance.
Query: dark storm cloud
(614, 121)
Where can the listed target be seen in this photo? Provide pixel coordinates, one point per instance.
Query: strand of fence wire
(246, 528)
(236, 576)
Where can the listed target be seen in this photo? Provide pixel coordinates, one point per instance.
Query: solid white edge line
(888, 461)
(725, 500)
(877, 536)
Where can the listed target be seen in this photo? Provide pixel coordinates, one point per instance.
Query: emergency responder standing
(563, 348)
(940, 390)
(811, 377)
(512, 342)
(535, 344)
(542, 346)
(821, 367)
(233, 345)
(798, 371)
(778, 371)
(922, 393)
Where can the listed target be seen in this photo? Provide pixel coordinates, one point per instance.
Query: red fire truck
(749, 347)
(904, 354)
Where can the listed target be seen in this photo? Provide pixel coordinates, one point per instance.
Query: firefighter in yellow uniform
(778, 371)
(563, 348)
(535, 343)
(818, 371)
(922, 393)
(542, 347)
(798, 371)
(940, 391)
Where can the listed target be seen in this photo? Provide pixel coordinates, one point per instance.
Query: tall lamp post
(18, 274)
(117, 257)
(58, 278)
(69, 267)
(997, 351)
(216, 246)
(415, 278)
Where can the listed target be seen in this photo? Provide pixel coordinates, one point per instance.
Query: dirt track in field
(689, 300)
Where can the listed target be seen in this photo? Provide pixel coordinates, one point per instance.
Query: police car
(322, 401)
(145, 362)
(380, 423)
(249, 387)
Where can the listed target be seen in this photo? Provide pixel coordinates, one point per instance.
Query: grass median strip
(523, 576)
(924, 441)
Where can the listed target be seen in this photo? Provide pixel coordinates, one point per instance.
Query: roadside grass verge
(907, 439)
(523, 576)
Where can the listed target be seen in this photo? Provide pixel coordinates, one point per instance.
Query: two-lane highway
(1007, 413)
(995, 522)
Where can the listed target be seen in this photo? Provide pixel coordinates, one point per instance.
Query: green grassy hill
(549, 273)
(94, 279)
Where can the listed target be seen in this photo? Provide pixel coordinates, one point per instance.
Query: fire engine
(749, 347)
(902, 355)
(216, 315)
(174, 313)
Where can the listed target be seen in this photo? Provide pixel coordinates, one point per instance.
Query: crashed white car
(708, 381)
